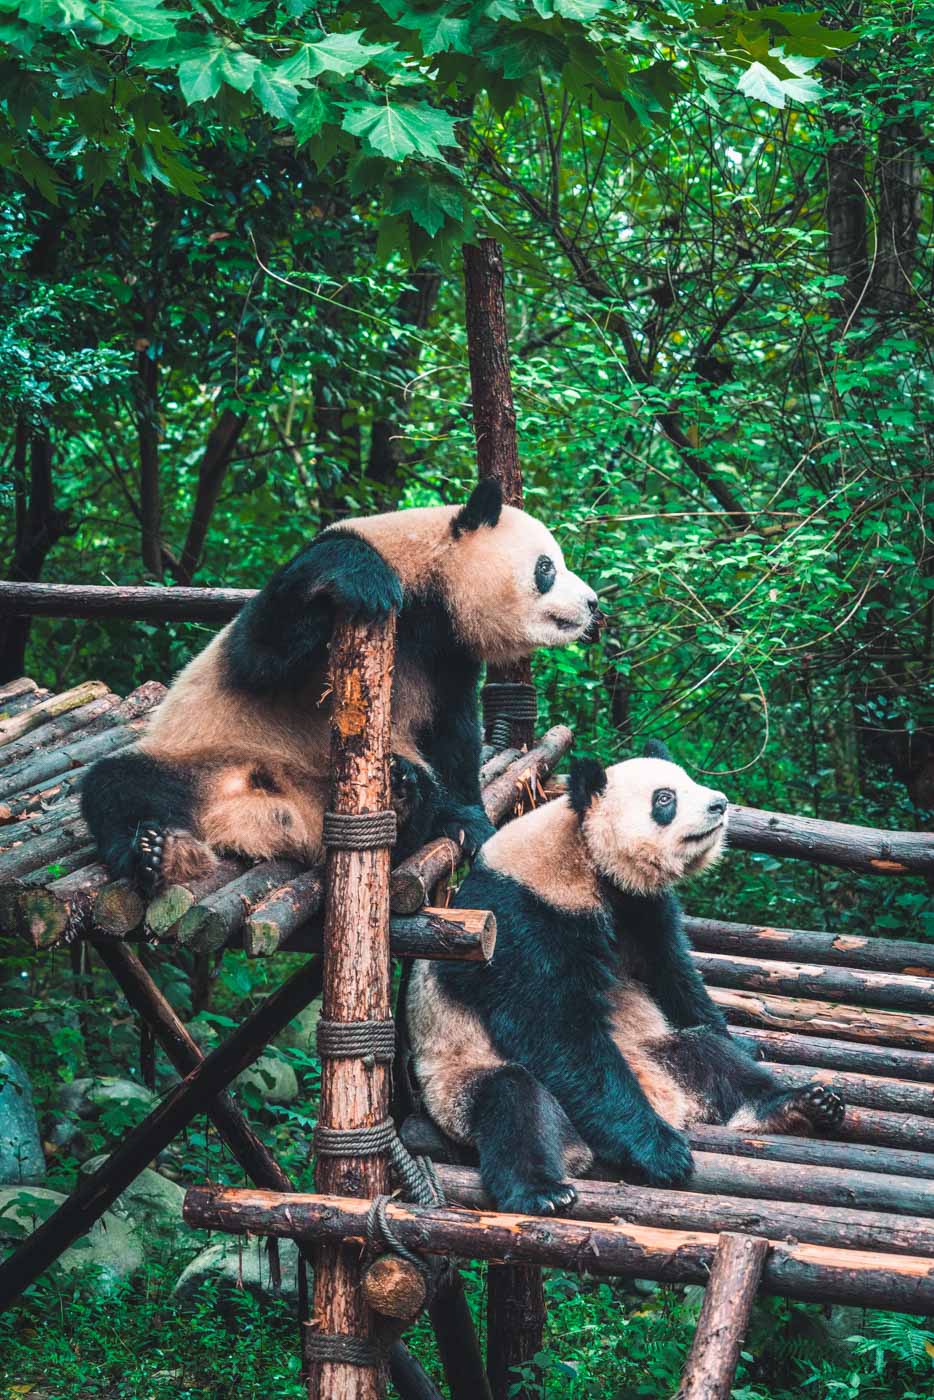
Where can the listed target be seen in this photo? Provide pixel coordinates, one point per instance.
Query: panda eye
(664, 805)
(545, 573)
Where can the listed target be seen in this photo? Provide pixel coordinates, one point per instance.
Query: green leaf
(403, 130)
(141, 19)
(311, 114)
(761, 85)
(55, 14)
(439, 30)
(275, 94)
(583, 10)
(526, 51)
(429, 202)
(336, 53)
(214, 62)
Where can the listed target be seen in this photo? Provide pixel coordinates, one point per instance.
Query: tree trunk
(211, 473)
(846, 209)
(147, 426)
(414, 309)
(898, 177)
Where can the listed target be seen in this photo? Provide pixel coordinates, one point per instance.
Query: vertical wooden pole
(494, 413)
(515, 1298)
(354, 1094)
(731, 1290)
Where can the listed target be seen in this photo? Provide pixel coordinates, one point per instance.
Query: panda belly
(642, 1035)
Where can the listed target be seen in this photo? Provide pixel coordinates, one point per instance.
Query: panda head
(645, 823)
(506, 584)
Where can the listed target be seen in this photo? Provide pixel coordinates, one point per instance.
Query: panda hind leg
(140, 811)
(800, 1112)
(525, 1142)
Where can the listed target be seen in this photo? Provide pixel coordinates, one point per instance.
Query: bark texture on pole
(516, 1305)
(731, 1291)
(354, 1094)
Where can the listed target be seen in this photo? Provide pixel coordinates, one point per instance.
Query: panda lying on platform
(590, 1033)
(236, 757)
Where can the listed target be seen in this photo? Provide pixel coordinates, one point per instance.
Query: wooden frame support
(354, 1091)
(731, 1290)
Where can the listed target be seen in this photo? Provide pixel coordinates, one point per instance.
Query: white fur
(629, 846)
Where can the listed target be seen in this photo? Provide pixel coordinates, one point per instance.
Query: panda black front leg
(522, 1136)
(466, 824)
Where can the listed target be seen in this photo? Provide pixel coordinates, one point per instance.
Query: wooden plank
(861, 1090)
(806, 945)
(824, 1053)
(731, 1290)
(899, 1028)
(901, 1283)
(813, 1152)
(92, 718)
(139, 603)
(50, 708)
(862, 848)
(892, 990)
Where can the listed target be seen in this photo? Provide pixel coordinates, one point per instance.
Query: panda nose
(717, 805)
(593, 603)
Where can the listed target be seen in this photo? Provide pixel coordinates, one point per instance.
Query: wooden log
(861, 1090)
(496, 764)
(24, 685)
(506, 795)
(89, 718)
(731, 1290)
(43, 850)
(832, 843)
(251, 1152)
(515, 1326)
(883, 1231)
(38, 802)
(50, 708)
(99, 1189)
(48, 913)
(458, 1344)
(903, 1283)
(394, 1287)
(814, 1152)
(899, 1028)
(13, 887)
(877, 1125)
(214, 920)
(805, 945)
(884, 989)
(354, 1093)
(838, 1054)
(42, 819)
(141, 603)
(452, 935)
(18, 703)
(117, 909)
(414, 879)
(282, 912)
(171, 903)
(51, 763)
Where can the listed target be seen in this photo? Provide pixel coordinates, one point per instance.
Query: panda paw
(662, 1156)
(468, 827)
(163, 855)
(813, 1109)
(538, 1198)
(411, 788)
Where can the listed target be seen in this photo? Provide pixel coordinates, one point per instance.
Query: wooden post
(354, 1093)
(515, 1290)
(734, 1280)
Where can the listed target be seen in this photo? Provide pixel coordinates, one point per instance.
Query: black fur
(131, 791)
(483, 507)
(654, 748)
(586, 780)
(545, 1001)
(282, 633)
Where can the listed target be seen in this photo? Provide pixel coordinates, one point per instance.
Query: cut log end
(395, 1287)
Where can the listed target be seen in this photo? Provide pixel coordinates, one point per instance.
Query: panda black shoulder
(282, 632)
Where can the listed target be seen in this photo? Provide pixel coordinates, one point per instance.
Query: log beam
(887, 990)
(728, 1298)
(832, 843)
(904, 1283)
(806, 945)
(898, 1028)
(139, 603)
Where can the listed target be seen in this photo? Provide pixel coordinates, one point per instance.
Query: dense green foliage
(231, 311)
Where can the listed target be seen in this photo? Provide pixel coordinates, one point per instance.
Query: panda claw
(149, 845)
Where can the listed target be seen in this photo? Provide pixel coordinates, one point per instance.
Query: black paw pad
(821, 1106)
(148, 847)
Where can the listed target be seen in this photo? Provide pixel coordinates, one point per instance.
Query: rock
(110, 1245)
(229, 1267)
(21, 1158)
(271, 1077)
(150, 1205)
(300, 1033)
(89, 1098)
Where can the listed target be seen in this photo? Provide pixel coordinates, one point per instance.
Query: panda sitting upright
(237, 755)
(590, 1034)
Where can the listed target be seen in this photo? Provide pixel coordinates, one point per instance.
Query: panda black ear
(483, 508)
(586, 780)
(656, 749)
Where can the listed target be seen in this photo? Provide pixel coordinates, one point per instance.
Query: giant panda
(590, 1034)
(236, 757)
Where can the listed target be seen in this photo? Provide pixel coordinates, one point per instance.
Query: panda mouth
(695, 838)
(562, 623)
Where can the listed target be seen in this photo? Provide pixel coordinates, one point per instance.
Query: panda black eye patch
(664, 806)
(545, 574)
